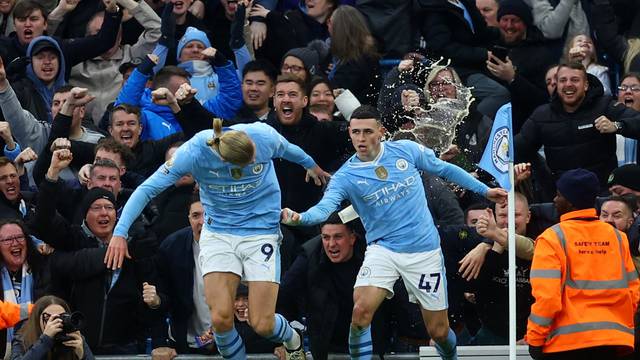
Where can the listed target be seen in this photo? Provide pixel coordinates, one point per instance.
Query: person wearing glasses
(302, 62)
(629, 95)
(38, 336)
(24, 272)
(117, 305)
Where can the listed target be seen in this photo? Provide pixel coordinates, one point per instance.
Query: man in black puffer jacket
(578, 127)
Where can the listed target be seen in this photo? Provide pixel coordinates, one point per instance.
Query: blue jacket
(205, 79)
(159, 121)
(229, 99)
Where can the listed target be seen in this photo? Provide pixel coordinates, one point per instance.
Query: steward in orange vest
(584, 282)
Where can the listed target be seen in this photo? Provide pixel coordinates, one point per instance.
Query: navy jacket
(175, 265)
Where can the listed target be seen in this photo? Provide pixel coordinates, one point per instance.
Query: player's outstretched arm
(497, 195)
(116, 252)
(164, 177)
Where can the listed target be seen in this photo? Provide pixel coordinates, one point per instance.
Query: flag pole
(511, 251)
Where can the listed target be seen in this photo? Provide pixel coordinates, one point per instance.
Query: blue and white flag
(499, 150)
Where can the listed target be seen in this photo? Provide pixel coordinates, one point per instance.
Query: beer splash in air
(435, 126)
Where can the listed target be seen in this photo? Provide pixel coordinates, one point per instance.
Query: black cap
(627, 176)
(95, 194)
(131, 64)
(517, 8)
(44, 45)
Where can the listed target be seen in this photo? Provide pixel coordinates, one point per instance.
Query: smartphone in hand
(500, 52)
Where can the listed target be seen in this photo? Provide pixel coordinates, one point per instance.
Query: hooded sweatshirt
(46, 91)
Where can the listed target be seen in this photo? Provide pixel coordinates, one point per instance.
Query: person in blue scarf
(24, 272)
(45, 73)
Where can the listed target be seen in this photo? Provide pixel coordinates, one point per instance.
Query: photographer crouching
(51, 332)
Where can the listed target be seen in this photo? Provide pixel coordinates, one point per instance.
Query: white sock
(294, 342)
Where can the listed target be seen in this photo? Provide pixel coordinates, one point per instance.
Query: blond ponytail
(233, 146)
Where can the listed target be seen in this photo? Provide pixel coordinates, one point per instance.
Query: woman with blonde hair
(241, 236)
(355, 56)
(41, 336)
(580, 49)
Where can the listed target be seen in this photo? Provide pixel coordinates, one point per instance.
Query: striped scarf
(10, 296)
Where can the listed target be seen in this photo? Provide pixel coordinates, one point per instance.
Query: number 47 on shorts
(425, 283)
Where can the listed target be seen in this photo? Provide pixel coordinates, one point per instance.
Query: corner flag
(499, 151)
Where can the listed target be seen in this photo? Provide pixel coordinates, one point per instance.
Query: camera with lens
(70, 323)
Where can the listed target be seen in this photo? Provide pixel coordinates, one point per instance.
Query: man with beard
(528, 52)
(578, 127)
(326, 142)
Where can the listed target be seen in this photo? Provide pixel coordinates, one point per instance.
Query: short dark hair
(195, 197)
(629, 200)
(110, 144)
(105, 163)
(631, 74)
(288, 77)
(162, 77)
(63, 89)
(25, 7)
(319, 80)
(261, 65)
(334, 219)
(129, 109)
(573, 65)
(366, 112)
(6, 161)
(472, 207)
(546, 70)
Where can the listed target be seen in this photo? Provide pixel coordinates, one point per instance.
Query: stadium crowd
(96, 95)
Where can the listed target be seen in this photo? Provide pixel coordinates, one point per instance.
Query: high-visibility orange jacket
(585, 286)
(11, 314)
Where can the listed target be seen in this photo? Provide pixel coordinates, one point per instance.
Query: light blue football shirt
(389, 196)
(238, 201)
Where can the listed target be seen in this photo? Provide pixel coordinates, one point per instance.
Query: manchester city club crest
(500, 150)
(257, 169)
(402, 164)
(236, 173)
(382, 173)
(364, 272)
